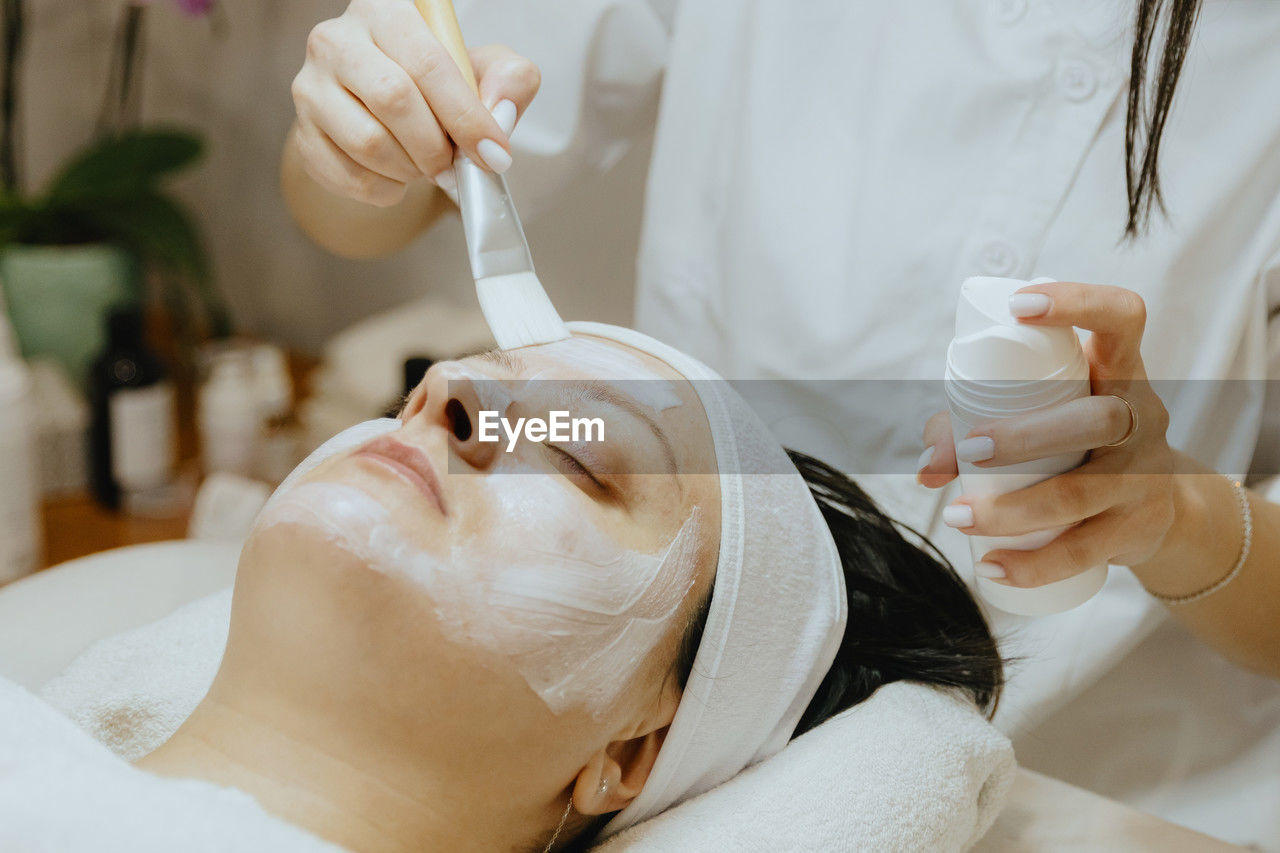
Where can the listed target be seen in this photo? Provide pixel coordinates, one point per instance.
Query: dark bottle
(415, 368)
(131, 441)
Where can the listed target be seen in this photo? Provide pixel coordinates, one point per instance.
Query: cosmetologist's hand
(1121, 500)
(381, 103)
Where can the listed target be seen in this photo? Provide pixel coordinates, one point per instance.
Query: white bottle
(19, 490)
(278, 444)
(999, 368)
(229, 416)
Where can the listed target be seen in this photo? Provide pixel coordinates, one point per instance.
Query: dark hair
(911, 618)
(1148, 110)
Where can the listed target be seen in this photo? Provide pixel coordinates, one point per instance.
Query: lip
(409, 463)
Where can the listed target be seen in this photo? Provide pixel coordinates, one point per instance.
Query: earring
(604, 787)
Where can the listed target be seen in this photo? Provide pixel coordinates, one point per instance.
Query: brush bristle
(518, 311)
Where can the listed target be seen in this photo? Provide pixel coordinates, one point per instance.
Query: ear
(614, 776)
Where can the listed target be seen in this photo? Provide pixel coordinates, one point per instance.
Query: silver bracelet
(1246, 514)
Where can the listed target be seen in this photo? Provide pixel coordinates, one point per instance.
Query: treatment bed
(48, 619)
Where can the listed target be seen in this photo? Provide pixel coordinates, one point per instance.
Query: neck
(359, 797)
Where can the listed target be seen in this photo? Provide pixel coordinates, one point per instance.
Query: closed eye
(572, 466)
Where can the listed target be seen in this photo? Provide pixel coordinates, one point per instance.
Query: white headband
(777, 611)
(778, 606)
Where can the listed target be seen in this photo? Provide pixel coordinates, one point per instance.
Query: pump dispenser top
(991, 345)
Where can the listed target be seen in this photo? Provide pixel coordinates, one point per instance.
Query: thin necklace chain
(568, 807)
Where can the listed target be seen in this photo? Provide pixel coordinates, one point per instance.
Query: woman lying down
(437, 643)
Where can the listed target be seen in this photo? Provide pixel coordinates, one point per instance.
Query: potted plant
(104, 223)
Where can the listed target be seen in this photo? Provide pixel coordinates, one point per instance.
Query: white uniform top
(826, 173)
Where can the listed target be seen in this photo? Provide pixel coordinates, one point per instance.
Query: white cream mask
(575, 612)
(600, 360)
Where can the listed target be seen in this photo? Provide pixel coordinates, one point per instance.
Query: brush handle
(443, 23)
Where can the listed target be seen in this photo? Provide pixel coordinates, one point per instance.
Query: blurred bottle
(229, 415)
(132, 440)
(19, 490)
(415, 368)
(278, 451)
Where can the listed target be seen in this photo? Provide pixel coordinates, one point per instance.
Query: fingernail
(494, 155)
(988, 570)
(958, 516)
(980, 448)
(1029, 304)
(925, 458)
(504, 113)
(448, 182)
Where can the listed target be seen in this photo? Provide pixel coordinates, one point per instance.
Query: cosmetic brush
(514, 304)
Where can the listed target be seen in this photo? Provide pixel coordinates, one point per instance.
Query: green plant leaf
(123, 166)
(155, 227)
(161, 234)
(15, 217)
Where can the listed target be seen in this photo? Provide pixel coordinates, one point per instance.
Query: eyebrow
(504, 359)
(602, 393)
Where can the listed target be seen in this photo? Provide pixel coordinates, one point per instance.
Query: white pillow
(911, 768)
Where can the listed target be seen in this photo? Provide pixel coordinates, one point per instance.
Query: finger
(1116, 316)
(505, 75)
(1084, 492)
(344, 119)
(330, 167)
(1077, 550)
(403, 36)
(937, 465)
(1074, 427)
(391, 97)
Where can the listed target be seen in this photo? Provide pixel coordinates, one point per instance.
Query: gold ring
(1133, 422)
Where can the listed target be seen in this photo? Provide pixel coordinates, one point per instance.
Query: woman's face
(494, 598)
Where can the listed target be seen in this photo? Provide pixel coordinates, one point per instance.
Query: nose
(454, 399)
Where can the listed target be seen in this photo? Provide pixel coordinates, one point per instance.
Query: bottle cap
(271, 379)
(991, 345)
(998, 367)
(229, 393)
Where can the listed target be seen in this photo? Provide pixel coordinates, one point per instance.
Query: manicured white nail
(958, 516)
(925, 458)
(1029, 304)
(448, 182)
(504, 113)
(980, 448)
(988, 570)
(494, 155)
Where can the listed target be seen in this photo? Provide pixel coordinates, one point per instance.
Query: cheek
(542, 587)
(575, 611)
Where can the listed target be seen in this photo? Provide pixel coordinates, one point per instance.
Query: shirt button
(1077, 79)
(998, 257)
(1008, 11)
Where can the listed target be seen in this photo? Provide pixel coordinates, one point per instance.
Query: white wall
(234, 88)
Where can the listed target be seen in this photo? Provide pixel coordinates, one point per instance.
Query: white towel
(62, 792)
(132, 691)
(910, 769)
